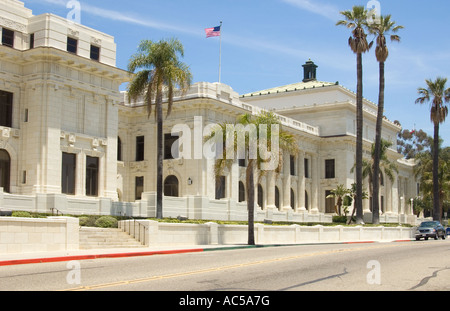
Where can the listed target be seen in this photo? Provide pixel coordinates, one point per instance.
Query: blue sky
(265, 43)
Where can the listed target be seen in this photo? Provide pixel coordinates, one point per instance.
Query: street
(396, 266)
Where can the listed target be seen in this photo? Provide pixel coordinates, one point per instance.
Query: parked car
(430, 229)
(448, 231)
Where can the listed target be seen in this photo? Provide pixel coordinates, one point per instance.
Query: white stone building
(70, 140)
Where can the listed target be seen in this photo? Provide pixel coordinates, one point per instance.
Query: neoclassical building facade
(71, 142)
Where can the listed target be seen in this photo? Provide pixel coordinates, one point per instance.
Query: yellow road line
(254, 263)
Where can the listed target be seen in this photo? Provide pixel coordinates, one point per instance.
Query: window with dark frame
(306, 164)
(140, 147)
(260, 196)
(68, 173)
(329, 169)
(241, 192)
(292, 165)
(5, 170)
(139, 187)
(8, 37)
(171, 186)
(6, 108)
(32, 41)
(95, 53)
(72, 45)
(169, 141)
(220, 187)
(92, 164)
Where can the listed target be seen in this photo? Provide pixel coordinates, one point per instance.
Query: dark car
(430, 229)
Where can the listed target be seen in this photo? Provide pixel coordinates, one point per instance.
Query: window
(329, 169)
(171, 186)
(8, 37)
(91, 176)
(68, 173)
(277, 198)
(119, 149)
(241, 192)
(306, 168)
(32, 41)
(72, 45)
(292, 165)
(329, 202)
(292, 199)
(5, 169)
(95, 53)
(139, 187)
(220, 187)
(170, 150)
(6, 108)
(140, 148)
(306, 200)
(260, 197)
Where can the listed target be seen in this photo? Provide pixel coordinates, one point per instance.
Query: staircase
(91, 238)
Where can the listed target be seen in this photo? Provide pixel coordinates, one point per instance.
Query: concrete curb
(93, 256)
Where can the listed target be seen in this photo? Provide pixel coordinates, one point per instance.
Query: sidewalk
(86, 254)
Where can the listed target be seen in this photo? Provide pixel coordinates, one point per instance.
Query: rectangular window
(292, 165)
(329, 169)
(92, 164)
(6, 108)
(169, 142)
(72, 45)
(139, 187)
(306, 168)
(220, 187)
(95, 53)
(68, 173)
(140, 144)
(8, 37)
(32, 41)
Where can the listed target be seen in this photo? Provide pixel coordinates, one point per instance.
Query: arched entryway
(171, 186)
(5, 170)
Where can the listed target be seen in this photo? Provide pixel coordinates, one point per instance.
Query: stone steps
(91, 238)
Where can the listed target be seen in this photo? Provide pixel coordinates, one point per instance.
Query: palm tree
(340, 192)
(381, 29)
(160, 73)
(356, 19)
(286, 142)
(438, 95)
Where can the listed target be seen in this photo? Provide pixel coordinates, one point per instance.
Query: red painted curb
(98, 256)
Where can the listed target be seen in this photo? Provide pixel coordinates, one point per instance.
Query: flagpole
(220, 53)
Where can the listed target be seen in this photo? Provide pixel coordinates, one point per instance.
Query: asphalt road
(397, 266)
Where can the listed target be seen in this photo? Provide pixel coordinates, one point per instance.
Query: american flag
(212, 32)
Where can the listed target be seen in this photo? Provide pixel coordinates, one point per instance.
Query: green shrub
(340, 219)
(21, 214)
(106, 222)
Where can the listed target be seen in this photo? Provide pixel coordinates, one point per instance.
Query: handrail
(127, 228)
(57, 211)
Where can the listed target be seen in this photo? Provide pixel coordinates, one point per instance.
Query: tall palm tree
(356, 19)
(285, 141)
(385, 166)
(438, 95)
(381, 30)
(161, 72)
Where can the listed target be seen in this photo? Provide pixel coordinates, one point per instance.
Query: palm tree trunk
(251, 202)
(159, 159)
(377, 153)
(359, 140)
(436, 205)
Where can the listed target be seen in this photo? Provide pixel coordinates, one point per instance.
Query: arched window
(171, 186)
(381, 179)
(260, 197)
(5, 170)
(241, 192)
(277, 197)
